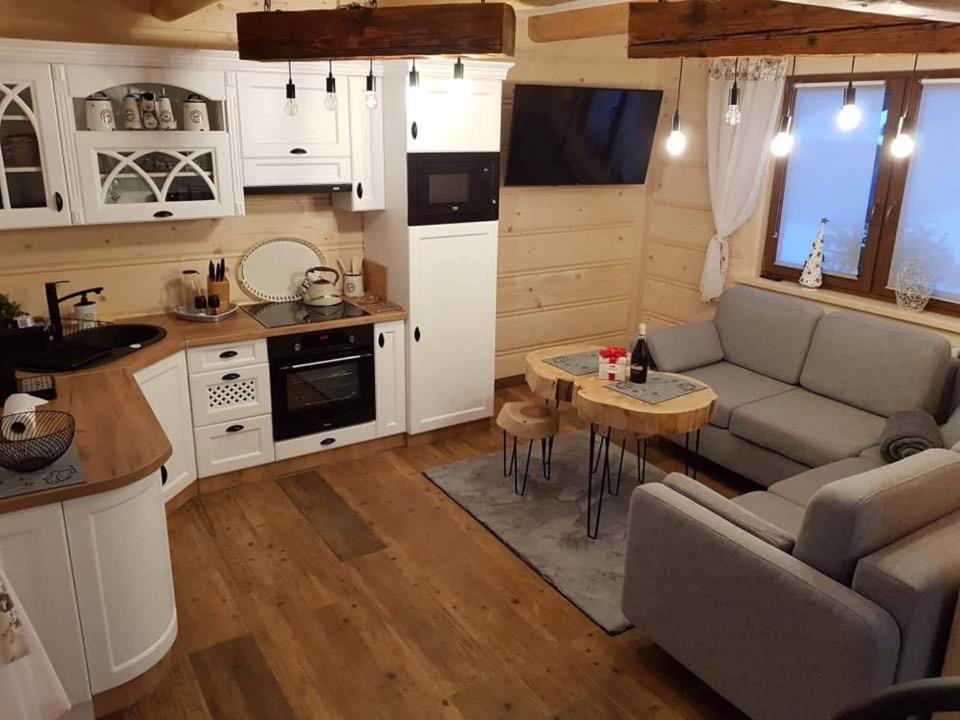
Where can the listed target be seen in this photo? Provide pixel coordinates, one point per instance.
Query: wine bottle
(639, 363)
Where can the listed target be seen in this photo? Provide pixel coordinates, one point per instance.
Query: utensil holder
(220, 288)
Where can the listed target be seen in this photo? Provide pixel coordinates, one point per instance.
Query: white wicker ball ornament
(913, 286)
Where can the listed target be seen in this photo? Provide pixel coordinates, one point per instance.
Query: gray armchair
(801, 627)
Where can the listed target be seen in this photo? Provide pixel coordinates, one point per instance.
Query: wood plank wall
(570, 258)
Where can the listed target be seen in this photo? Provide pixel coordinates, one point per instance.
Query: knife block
(220, 288)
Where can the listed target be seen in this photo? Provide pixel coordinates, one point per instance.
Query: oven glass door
(453, 187)
(318, 395)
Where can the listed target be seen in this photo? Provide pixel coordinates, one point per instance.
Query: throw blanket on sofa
(908, 433)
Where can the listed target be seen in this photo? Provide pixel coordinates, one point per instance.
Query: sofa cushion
(916, 580)
(766, 332)
(773, 509)
(875, 454)
(801, 488)
(679, 348)
(877, 365)
(811, 429)
(950, 431)
(854, 517)
(735, 386)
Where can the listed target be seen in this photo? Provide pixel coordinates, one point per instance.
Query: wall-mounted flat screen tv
(581, 135)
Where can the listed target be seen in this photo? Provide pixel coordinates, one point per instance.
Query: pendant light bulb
(370, 99)
(782, 143)
(330, 101)
(849, 116)
(677, 140)
(291, 108)
(903, 144)
(734, 115)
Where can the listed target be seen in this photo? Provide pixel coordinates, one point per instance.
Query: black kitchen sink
(89, 348)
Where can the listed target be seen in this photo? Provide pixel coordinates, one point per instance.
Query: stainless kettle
(319, 291)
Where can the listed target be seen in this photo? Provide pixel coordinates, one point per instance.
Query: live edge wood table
(605, 408)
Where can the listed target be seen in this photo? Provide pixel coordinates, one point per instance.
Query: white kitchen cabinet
(451, 326)
(234, 445)
(131, 176)
(311, 147)
(366, 151)
(219, 396)
(390, 377)
(36, 559)
(448, 115)
(166, 387)
(124, 584)
(33, 182)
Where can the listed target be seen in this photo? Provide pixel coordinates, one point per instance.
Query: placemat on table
(64, 471)
(658, 388)
(583, 363)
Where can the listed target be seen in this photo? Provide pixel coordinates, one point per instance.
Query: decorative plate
(273, 269)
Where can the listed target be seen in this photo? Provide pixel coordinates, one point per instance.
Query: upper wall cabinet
(366, 149)
(299, 143)
(33, 184)
(448, 115)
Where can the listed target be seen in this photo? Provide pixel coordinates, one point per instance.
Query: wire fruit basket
(32, 440)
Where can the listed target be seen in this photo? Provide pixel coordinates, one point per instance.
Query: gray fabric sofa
(796, 620)
(842, 576)
(798, 389)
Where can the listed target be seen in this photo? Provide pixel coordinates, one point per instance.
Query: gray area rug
(546, 527)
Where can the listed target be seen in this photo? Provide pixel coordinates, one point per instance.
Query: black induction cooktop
(281, 314)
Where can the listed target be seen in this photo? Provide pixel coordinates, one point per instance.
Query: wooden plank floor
(359, 590)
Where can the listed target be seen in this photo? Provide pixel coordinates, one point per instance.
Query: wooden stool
(530, 420)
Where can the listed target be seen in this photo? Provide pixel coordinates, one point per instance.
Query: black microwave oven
(453, 187)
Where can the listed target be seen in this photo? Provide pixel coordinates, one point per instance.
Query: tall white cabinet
(446, 275)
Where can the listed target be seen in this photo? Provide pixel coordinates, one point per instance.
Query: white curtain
(737, 155)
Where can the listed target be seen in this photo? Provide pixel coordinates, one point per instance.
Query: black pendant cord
(291, 87)
(679, 84)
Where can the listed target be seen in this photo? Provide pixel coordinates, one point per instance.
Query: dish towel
(908, 433)
(29, 686)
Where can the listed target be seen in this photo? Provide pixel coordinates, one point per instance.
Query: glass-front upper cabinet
(152, 144)
(32, 178)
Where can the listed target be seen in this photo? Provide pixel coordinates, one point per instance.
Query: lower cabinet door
(234, 445)
(124, 583)
(36, 560)
(389, 359)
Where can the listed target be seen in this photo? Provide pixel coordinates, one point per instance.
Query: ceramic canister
(99, 112)
(148, 111)
(131, 112)
(165, 113)
(195, 115)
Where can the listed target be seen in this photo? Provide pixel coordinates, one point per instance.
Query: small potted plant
(9, 311)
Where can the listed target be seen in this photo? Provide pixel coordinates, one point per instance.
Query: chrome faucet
(53, 305)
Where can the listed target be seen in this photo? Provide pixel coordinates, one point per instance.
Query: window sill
(927, 318)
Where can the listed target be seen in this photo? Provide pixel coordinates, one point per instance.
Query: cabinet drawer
(295, 447)
(273, 172)
(227, 355)
(234, 445)
(224, 395)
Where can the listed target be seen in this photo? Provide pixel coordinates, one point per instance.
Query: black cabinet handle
(416, 334)
(231, 376)
(163, 475)
(235, 428)
(298, 151)
(413, 129)
(380, 340)
(163, 214)
(228, 354)
(360, 190)
(58, 200)
(328, 441)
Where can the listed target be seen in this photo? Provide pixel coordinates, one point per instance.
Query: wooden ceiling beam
(577, 24)
(730, 28)
(170, 10)
(363, 32)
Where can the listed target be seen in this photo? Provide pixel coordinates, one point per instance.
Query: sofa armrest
(950, 430)
(775, 637)
(683, 347)
(730, 511)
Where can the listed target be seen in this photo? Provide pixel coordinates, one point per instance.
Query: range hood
(298, 189)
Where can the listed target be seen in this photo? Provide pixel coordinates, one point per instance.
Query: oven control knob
(297, 347)
(352, 339)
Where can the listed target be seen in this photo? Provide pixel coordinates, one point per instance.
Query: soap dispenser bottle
(85, 312)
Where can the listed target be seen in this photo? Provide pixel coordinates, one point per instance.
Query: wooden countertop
(118, 438)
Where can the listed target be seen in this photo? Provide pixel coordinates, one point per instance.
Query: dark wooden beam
(729, 28)
(362, 32)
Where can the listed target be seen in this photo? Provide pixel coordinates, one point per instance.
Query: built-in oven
(452, 187)
(321, 380)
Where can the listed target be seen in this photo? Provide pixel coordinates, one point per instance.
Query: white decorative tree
(812, 275)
